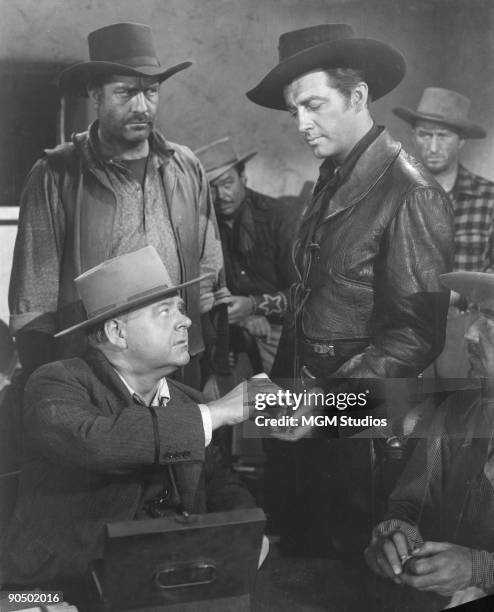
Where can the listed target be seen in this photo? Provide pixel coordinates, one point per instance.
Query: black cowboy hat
(329, 46)
(121, 48)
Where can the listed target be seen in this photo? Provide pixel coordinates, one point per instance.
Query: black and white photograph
(246, 305)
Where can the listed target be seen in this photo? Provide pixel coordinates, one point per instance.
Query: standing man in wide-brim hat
(115, 188)
(257, 234)
(440, 127)
(377, 232)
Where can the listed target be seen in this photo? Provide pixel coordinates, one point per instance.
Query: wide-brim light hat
(124, 283)
(477, 287)
(329, 46)
(122, 49)
(443, 106)
(219, 156)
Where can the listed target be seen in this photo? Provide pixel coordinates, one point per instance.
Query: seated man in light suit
(108, 437)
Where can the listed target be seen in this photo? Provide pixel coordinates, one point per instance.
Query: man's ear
(360, 96)
(461, 142)
(94, 94)
(116, 332)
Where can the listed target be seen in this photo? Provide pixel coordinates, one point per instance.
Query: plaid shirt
(473, 201)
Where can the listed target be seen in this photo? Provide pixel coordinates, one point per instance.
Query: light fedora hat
(329, 46)
(478, 287)
(121, 48)
(123, 283)
(444, 106)
(219, 156)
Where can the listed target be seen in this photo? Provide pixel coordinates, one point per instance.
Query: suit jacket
(88, 447)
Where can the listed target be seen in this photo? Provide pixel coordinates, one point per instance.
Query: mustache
(139, 119)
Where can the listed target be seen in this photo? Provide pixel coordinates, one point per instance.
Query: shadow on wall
(30, 104)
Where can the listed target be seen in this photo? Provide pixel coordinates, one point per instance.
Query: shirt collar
(160, 398)
(330, 170)
(464, 182)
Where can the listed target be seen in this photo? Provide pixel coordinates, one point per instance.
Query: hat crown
(217, 154)
(444, 103)
(291, 43)
(123, 43)
(123, 279)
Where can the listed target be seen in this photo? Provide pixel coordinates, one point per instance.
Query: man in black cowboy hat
(109, 437)
(113, 189)
(377, 232)
(257, 234)
(440, 127)
(373, 239)
(437, 536)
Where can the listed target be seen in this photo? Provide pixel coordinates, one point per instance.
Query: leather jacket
(372, 304)
(66, 225)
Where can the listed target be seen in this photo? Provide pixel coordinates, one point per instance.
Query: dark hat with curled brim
(446, 107)
(125, 49)
(329, 46)
(124, 283)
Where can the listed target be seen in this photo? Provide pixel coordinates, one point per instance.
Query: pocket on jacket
(353, 281)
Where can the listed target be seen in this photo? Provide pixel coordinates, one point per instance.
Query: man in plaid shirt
(438, 532)
(440, 127)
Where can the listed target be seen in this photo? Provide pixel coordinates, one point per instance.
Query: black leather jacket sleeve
(410, 304)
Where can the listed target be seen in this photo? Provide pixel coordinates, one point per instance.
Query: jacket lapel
(368, 171)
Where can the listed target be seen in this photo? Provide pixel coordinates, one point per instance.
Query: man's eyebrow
(309, 98)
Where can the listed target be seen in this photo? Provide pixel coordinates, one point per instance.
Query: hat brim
(148, 298)
(383, 68)
(74, 79)
(212, 175)
(465, 128)
(478, 287)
